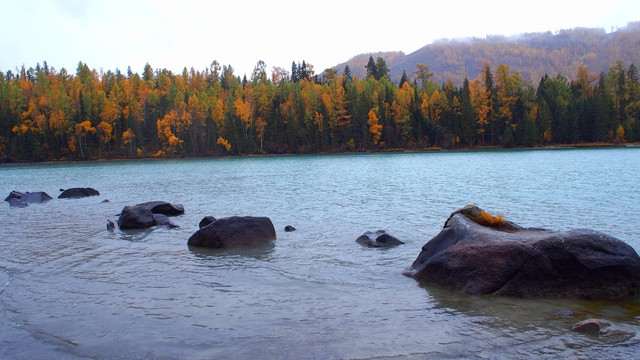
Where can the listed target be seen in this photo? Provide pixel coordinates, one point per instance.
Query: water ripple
(314, 293)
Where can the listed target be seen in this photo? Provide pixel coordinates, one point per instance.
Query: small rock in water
(564, 313)
(378, 239)
(110, 225)
(105, 201)
(589, 326)
(76, 193)
(289, 228)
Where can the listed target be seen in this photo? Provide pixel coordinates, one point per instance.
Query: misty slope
(532, 55)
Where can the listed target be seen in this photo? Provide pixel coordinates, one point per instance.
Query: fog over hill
(532, 54)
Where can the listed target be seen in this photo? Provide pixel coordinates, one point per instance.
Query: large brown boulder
(501, 258)
(234, 232)
(148, 214)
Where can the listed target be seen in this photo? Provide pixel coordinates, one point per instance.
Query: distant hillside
(532, 55)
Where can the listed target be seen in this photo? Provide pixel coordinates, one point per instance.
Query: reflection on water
(69, 288)
(259, 252)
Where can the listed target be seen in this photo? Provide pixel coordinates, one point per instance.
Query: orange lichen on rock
(486, 219)
(482, 217)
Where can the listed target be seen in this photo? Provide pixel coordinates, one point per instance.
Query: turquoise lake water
(71, 289)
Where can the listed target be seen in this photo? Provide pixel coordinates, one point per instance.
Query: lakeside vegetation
(47, 114)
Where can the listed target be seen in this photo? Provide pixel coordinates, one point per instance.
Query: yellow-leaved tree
(104, 132)
(82, 130)
(127, 137)
(374, 127)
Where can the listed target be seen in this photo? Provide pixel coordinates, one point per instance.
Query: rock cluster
(20, 199)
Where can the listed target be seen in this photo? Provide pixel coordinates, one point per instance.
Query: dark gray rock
(135, 217)
(145, 215)
(20, 199)
(77, 193)
(206, 221)
(163, 207)
(589, 326)
(289, 228)
(477, 259)
(378, 239)
(234, 232)
(14, 195)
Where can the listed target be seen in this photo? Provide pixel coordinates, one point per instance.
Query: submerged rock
(589, 326)
(564, 313)
(513, 261)
(146, 215)
(15, 202)
(289, 228)
(20, 199)
(378, 239)
(234, 232)
(77, 193)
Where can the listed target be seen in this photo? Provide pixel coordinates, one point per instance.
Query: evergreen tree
(632, 74)
(467, 117)
(492, 98)
(526, 131)
(606, 124)
(372, 70)
(347, 72)
(147, 74)
(381, 68)
(295, 74)
(302, 69)
(403, 79)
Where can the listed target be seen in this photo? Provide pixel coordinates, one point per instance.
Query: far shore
(381, 151)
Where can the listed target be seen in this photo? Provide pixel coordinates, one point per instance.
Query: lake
(70, 289)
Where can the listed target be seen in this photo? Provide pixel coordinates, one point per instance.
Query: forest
(51, 115)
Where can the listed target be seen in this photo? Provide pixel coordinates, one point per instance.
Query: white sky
(112, 34)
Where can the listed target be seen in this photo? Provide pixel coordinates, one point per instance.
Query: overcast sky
(112, 34)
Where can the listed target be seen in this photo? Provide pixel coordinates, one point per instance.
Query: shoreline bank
(9, 162)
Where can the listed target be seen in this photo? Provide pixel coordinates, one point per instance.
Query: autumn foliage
(46, 114)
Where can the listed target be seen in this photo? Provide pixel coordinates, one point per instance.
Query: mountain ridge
(531, 54)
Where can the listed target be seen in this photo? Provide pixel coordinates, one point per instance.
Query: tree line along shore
(51, 115)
